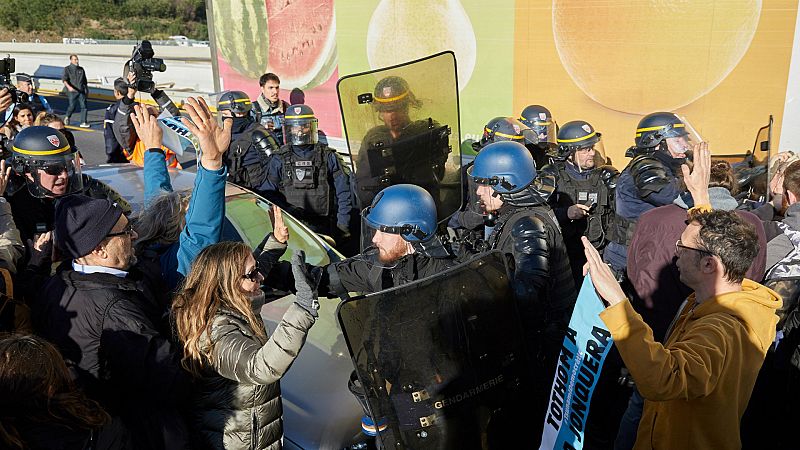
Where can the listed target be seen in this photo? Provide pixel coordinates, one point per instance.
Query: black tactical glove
(305, 283)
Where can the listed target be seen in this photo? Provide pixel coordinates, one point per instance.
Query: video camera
(7, 67)
(142, 63)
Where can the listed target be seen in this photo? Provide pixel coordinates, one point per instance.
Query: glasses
(253, 274)
(127, 230)
(54, 169)
(679, 245)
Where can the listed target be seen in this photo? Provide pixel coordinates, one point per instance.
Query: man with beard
(101, 312)
(269, 108)
(404, 245)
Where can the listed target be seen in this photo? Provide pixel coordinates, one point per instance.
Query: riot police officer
(402, 150)
(401, 226)
(308, 178)
(651, 178)
(539, 119)
(584, 197)
(524, 228)
(470, 217)
(251, 144)
(45, 167)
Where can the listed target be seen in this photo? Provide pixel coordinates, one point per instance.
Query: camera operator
(126, 135)
(37, 102)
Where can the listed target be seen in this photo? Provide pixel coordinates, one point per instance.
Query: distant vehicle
(181, 40)
(319, 411)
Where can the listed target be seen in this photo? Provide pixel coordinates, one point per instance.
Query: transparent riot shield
(442, 360)
(401, 125)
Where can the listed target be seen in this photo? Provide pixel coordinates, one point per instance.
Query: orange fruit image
(640, 56)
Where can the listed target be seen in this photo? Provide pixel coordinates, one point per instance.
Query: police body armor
(418, 157)
(559, 294)
(253, 175)
(597, 189)
(305, 181)
(649, 174)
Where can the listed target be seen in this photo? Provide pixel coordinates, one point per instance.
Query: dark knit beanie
(82, 222)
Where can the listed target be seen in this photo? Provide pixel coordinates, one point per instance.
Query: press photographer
(138, 72)
(9, 94)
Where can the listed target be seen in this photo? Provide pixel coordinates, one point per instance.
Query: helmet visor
(545, 131)
(54, 177)
(680, 140)
(300, 131)
(588, 157)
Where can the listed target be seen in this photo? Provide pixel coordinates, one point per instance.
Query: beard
(391, 255)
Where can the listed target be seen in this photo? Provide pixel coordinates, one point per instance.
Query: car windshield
(250, 217)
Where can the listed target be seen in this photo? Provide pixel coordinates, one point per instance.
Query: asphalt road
(90, 141)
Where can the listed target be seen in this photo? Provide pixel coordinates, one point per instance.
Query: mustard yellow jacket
(697, 385)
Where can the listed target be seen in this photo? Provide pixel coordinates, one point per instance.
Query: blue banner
(579, 365)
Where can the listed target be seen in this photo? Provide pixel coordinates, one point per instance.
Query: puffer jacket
(237, 402)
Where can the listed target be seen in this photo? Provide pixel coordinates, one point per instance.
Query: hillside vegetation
(50, 21)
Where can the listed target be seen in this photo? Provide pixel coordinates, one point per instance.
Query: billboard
(724, 64)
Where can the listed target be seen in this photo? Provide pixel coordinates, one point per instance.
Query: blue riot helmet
(580, 144)
(236, 102)
(506, 166)
(539, 119)
(507, 129)
(300, 126)
(404, 209)
(665, 130)
(50, 165)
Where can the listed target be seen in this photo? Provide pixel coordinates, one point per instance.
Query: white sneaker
(85, 125)
(66, 121)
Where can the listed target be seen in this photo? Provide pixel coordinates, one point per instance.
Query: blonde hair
(162, 221)
(213, 283)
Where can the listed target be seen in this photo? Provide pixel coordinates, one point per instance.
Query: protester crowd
(144, 332)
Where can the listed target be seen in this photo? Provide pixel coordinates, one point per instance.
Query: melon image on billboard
(654, 55)
(406, 30)
(296, 40)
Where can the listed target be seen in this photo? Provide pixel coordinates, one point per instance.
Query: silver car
(319, 411)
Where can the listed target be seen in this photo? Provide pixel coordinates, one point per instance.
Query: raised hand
(603, 279)
(213, 139)
(147, 127)
(697, 180)
(41, 250)
(279, 229)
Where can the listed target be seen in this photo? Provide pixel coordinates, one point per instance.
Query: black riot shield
(401, 125)
(442, 360)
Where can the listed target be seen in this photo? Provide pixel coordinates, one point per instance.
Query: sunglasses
(127, 230)
(54, 169)
(253, 274)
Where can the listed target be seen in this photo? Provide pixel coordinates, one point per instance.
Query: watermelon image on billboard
(295, 40)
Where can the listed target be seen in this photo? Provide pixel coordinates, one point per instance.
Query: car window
(249, 217)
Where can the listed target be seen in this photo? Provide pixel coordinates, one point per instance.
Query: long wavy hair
(162, 220)
(213, 283)
(35, 387)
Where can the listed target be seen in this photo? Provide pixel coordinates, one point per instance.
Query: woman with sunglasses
(236, 363)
